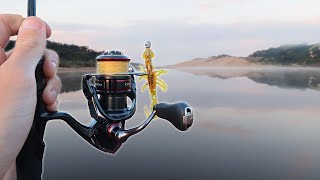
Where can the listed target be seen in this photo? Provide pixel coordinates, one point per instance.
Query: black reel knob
(179, 114)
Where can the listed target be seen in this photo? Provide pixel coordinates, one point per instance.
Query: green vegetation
(73, 55)
(70, 55)
(81, 56)
(288, 55)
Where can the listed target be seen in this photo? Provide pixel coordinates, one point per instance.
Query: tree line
(70, 55)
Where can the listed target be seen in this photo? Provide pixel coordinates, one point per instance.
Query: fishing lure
(152, 77)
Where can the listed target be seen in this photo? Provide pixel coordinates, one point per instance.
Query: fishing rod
(107, 94)
(32, 8)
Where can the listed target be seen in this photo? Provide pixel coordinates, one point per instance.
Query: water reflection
(248, 125)
(71, 80)
(283, 77)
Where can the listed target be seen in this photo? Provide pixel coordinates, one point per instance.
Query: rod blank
(32, 8)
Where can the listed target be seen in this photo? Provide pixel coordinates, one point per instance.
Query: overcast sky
(179, 30)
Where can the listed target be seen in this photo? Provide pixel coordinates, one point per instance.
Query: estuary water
(250, 123)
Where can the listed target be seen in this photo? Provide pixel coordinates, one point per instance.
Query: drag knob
(179, 114)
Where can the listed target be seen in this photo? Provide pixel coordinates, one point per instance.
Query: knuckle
(53, 55)
(17, 16)
(29, 43)
(12, 21)
(58, 81)
(55, 84)
(47, 96)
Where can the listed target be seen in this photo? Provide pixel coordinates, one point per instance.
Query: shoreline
(241, 66)
(79, 69)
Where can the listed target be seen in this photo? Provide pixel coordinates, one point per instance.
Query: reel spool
(114, 85)
(112, 62)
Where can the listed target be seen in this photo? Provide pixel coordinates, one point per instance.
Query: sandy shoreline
(228, 62)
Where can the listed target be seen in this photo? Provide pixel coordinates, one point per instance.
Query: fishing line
(112, 62)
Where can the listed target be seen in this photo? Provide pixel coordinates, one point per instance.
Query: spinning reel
(108, 96)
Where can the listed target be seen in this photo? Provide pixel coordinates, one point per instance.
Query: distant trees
(70, 55)
(81, 56)
(288, 55)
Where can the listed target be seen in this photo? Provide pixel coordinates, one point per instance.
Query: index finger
(9, 26)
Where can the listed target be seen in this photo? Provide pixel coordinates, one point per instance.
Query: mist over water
(255, 123)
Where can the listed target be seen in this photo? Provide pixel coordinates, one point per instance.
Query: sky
(179, 30)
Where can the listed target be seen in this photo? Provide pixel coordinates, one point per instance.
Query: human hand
(17, 82)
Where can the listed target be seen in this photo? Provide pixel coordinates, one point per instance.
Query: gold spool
(111, 67)
(112, 62)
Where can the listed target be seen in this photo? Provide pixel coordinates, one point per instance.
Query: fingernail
(54, 92)
(54, 63)
(32, 23)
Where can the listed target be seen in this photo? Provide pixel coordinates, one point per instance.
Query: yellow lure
(152, 77)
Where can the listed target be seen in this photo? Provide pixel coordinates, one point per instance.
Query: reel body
(112, 101)
(107, 129)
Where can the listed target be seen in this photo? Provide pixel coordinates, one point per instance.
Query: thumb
(30, 45)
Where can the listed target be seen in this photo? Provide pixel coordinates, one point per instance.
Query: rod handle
(41, 84)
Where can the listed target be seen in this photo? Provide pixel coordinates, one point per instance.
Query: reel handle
(179, 114)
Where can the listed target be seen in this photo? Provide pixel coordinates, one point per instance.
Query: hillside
(222, 60)
(297, 55)
(288, 55)
(70, 55)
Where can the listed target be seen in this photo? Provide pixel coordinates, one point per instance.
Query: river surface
(250, 123)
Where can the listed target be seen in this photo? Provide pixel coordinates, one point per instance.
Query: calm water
(249, 124)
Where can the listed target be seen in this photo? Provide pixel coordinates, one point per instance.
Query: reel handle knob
(179, 114)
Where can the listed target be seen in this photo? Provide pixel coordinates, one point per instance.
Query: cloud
(209, 5)
(175, 41)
